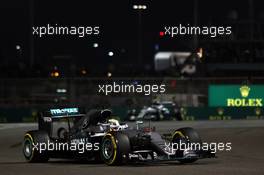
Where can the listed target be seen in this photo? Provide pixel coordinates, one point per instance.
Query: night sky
(118, 27)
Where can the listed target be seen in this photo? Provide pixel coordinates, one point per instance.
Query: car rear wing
(57, 113)
(46, 117)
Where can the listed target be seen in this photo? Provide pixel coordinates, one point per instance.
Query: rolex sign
(236, 95)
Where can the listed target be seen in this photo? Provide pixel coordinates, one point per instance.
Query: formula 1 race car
(71, 133)
(157, 111)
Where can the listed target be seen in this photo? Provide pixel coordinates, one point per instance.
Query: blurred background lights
(139, 7)
(95, 45)
(111, 54)
(109, 74)
(18, 47)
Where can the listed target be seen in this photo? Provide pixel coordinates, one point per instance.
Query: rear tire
(115, 148)
(32, 139)
(186, 135)
(62, 133)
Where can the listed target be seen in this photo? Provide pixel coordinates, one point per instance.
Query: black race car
(62, 131)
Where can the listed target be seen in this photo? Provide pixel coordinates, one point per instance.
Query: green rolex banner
(236, 95)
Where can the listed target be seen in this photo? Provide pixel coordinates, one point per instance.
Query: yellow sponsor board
(237, 102)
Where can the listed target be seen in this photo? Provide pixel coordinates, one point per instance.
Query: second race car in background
(165, 110)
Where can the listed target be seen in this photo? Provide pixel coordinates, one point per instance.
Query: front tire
(115, 148)
(185, 135)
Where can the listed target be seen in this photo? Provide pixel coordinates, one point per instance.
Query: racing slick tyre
(31, 144)
(185, 135)
(115, 148)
